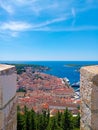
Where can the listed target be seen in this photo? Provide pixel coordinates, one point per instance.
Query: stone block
(94, 120)
(89, 98)
(1, 119)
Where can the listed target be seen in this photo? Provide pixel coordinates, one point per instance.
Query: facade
(89, 98)
(8, 117)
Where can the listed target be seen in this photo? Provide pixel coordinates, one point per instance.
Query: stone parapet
(6, 69)
(8, 101)
(89, 97)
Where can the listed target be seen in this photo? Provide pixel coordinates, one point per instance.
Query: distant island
(77, 66)
(72, 65)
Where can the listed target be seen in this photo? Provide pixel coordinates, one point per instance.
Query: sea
(61, 69)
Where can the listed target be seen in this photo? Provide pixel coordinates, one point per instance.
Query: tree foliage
(29, 120)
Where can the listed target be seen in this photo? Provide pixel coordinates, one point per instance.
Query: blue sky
(48, 30)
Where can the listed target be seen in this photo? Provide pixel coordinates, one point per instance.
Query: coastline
(58, 69)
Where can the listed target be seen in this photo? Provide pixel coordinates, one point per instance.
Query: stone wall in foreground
(8, 116)
(8, 112)
(89, 98)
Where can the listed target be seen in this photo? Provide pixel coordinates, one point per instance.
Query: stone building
(89, 98)
(8, 117)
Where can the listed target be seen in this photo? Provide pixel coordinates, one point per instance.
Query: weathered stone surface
(94, 121)
(89, 98)
(1, 120)
(85, 114)
(8, 113)
(95, 80)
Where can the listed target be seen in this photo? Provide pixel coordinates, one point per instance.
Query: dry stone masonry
(89, 98)
(8, 117)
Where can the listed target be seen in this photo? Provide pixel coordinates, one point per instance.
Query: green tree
(67, 122)
(59, 118)
(53, 124)
(20, 122)
(29, 120)
(76, 121)
(32, 120)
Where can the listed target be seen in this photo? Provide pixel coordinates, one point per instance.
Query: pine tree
(76, 121)
(29, 120)
(59, 118)
(32, 120)
(53, 124)
(67, 122)
(20, 122)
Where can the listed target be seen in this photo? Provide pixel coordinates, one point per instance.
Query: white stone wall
(8, 112)
(8, 84)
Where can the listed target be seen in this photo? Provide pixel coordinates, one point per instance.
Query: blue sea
(61, 69)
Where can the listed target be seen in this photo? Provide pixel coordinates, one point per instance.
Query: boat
(76, 85)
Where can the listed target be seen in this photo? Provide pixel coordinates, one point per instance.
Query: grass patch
(76, 128)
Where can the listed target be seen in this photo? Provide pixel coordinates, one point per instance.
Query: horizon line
(43, 60)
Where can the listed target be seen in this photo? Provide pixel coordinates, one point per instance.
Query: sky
(49, 30)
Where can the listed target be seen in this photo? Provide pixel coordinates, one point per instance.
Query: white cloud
(83, 28)
(43, 29)
(66, 29)
(73, 12)
(37, 8)
(13, 34)
(49, 22)
(8, 8)
(38, 5)
(42, 14)
(18, 26)
(79, 28)
(15, 26)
